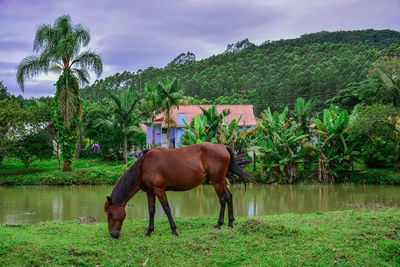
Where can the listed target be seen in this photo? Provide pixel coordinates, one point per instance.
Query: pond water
(38, 204)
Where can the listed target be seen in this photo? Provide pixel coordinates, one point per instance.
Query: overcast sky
(131, 34)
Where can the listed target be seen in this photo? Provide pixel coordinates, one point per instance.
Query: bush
(378, 153)
(32, 147)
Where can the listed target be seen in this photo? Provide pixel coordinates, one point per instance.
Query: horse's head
(115, 216)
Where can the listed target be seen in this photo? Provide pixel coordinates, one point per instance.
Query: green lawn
(12, 166)
(359, 237)
(85, 171)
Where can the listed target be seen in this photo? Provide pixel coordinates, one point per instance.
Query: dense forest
(273, 74)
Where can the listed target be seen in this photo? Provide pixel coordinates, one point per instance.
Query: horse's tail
(237, 166)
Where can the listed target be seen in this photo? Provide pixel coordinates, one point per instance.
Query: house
(187, 113)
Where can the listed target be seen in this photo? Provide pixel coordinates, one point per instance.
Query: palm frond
(81, 34)
(82, 75)
(56, 69)
(89, 59)
(43, 36)
(31, 66)
(67, 104)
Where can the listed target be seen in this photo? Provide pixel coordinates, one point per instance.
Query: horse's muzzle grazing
(115, 234)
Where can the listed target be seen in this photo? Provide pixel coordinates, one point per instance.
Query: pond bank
(110, 175)
(354, 237)
(96, 172)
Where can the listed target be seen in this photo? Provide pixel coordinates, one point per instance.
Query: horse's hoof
(174, 234)
(230, 226)
(217, 228)
(145, 235)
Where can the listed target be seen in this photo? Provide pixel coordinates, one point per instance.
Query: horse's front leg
(164, 203)
(152, 209)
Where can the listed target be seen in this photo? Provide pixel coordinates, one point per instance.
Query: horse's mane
(127, 181)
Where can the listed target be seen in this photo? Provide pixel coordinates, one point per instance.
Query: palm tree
(153, 105)
(59, 47)
(125, 116)
(172, 96)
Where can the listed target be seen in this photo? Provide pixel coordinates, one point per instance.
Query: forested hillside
(314, 65)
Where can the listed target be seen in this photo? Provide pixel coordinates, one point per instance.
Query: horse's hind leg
(219, 189)
(230, 207)
(152, 209)
(164, 203)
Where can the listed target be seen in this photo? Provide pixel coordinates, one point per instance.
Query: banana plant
(203, 127)
(199, 132)
(282, 146)
(335, 147)
(231, 135)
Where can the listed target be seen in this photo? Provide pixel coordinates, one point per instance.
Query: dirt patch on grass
(269, 230)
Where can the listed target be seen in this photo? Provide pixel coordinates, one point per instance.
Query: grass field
(85, 171)
(355, 237)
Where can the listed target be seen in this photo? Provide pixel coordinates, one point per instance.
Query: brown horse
(179, 169)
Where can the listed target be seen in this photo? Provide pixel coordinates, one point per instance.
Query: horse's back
(184, 168)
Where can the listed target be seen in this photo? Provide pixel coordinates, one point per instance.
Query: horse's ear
(109, 200)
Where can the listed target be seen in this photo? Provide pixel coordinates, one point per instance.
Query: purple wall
(158, 135)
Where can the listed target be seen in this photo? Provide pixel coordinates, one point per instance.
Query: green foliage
(66, 137)
(317, 65)
(171, 96)
(12, 117)
(282, 145)
(377, 153)
(32, 147)
(152, 106)
(59, 47)
(204, 127)
(378, 122)
(374, 38)
(125, 118)
(231, 135)
(198, 133)
(86, 172)
(182, 59)
(109, 138)
(387, 69)
(337, 151)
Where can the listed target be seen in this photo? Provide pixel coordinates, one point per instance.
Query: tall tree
(172, 96)
(59, 47)
(125, 116)
(152, 105)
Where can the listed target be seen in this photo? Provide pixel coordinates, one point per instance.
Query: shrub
(32, 147)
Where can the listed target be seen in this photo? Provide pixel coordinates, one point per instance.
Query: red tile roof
(246, 111)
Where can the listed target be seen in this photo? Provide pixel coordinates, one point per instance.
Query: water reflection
(36, 204)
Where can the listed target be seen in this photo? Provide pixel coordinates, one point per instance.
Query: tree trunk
(254, 161)
(153, 140)
(58, 156)
(79, 144)
(395, 152)
(67, 166)
(167, 115)
(125, 149)
(395, 98)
